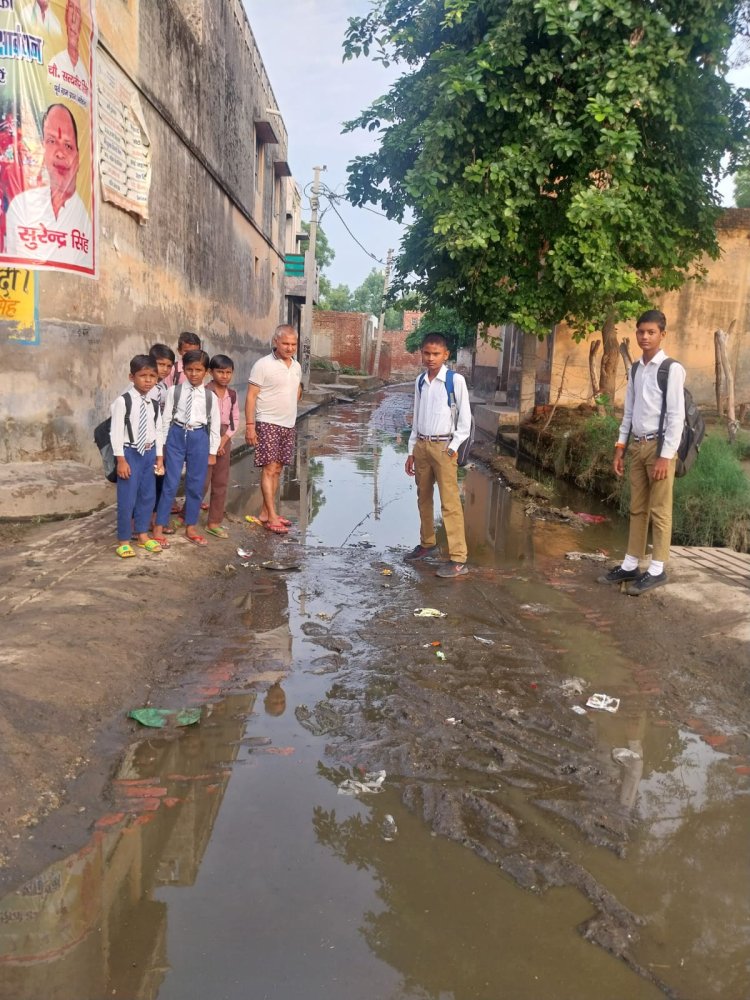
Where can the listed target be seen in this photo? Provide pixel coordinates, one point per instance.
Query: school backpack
(693, 429)
(465, 447)
(104, 444)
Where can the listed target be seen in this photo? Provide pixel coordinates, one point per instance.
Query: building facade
(209, 258)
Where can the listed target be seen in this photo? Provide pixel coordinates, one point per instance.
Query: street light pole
(310, 270)
(381, 320)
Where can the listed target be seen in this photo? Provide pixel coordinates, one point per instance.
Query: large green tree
(742, 188)
(443, 319)
(560, 158)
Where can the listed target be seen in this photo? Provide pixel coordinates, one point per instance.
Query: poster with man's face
(47, 203)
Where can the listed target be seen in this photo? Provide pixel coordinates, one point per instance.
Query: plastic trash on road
(428, 613)
(387, 572)
(622, 755)
(371, 783)
(484, 642)
(573, 685)
(159, 718)
(604, 702)
(453, 721)
(244, 553)
(587, 556)
(388, 828)
(591, 518)
(440, 654)
(579, 709)
(252, 520)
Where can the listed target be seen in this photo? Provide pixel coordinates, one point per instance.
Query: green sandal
(217, 532)
(125, 551)
(151, 546)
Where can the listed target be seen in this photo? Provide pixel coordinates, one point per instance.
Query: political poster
(47, 192)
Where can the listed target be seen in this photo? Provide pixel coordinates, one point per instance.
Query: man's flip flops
(278, 529)
(196, 539)
(217, 532)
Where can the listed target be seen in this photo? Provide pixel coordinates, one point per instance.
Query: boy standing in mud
(652, 463)
(433, 455)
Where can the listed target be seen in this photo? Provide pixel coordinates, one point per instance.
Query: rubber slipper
(217, 532)
(282, 520)
(161, 542)
(152, 545)
(125, 551)
(277, 529)
(196, 539)
(168, 531)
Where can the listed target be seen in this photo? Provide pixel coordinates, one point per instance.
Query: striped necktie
(142, 428)
(188, 405)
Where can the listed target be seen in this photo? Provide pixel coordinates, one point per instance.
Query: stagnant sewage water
(505, 852)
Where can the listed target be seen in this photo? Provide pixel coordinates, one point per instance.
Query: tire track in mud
(483, 745)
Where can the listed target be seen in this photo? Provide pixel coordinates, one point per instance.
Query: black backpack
(693, 429)
(462, 455)
(104, 444)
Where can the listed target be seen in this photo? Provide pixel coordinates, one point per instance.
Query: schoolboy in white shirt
(137, 443)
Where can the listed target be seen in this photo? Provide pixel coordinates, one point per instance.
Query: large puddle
(230, 865)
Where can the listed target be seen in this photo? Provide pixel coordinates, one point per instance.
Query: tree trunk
(610, 356)
(527, 396)
(720, 340)
(625, 355)
(593, 374)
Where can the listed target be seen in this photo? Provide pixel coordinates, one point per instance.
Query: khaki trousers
(650, 500)
(432, 465)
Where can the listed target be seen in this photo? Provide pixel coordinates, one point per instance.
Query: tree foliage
(443, 319)
(742, 188)
(560, 158)
(366, 298)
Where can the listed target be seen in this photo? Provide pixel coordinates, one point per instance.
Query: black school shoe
(647, 581)
(619, 575)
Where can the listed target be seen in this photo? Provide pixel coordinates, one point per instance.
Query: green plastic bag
(158, 718)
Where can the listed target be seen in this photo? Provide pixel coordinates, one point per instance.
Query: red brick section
(345, 331)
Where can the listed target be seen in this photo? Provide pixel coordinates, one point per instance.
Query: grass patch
(712, 502)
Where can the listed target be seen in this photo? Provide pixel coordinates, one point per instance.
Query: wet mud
(504, 839)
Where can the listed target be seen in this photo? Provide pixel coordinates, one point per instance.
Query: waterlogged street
(491, 846)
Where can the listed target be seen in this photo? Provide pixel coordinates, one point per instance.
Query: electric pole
(310, 274)
(381, 321)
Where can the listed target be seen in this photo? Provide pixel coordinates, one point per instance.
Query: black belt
(147, 448)
(434, 437)
(645, 437)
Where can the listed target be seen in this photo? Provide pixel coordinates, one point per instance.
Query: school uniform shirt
(198, 415)
(118, 435)
(643, 402)
(159, 393)
(432, 414)
(229, 412)
(279, 388)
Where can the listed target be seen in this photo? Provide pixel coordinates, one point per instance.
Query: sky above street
(300, 42)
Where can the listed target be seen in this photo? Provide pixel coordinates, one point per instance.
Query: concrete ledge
(364, 382)
(490, 418)
(51, 490)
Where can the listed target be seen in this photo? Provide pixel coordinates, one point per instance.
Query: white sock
(656, 568)
(629, 563)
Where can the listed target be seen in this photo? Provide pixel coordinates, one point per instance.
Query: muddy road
(361, 812)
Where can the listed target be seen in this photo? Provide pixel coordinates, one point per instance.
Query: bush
(712, 502)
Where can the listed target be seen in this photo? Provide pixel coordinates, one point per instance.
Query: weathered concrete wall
(210, 258)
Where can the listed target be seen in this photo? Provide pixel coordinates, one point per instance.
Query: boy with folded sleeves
(191, 416)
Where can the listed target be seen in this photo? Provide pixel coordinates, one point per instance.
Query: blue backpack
(465, 447)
